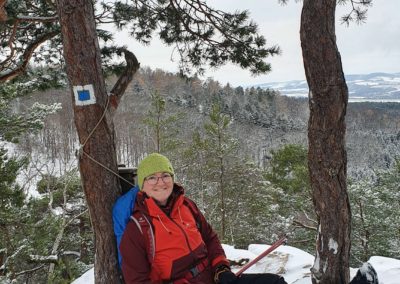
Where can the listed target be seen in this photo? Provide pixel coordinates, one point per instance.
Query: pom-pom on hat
(153, 163)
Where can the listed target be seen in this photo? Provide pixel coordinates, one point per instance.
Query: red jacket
(179, 244)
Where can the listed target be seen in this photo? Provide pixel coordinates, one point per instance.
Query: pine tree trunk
(82, 57)
(328, 98)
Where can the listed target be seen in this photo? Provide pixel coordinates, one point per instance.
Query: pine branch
(22, 18)
(26, 56)
(30, 270)
(302, 225)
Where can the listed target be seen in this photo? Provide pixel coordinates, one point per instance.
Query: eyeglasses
(153, 180)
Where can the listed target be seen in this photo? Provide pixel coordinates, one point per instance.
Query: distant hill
(365, 87)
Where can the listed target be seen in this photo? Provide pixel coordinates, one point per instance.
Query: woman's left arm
(135, 263)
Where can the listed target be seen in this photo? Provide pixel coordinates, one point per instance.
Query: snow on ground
(292, 263)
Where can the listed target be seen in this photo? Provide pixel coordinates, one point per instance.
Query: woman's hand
(224, 275)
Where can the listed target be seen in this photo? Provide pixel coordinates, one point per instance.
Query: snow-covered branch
(37, 19)
(44, 259)
(55, 258)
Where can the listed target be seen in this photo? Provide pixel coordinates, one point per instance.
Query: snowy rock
(388, 269)
(292, 263)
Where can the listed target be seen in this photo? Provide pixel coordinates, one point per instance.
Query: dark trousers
(262, 278)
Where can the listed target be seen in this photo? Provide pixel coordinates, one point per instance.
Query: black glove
(223, 275)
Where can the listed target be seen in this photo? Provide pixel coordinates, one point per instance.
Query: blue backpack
(122, 211)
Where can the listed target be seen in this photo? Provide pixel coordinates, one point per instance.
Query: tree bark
(3, 12)
(97, 159)
(327, 157)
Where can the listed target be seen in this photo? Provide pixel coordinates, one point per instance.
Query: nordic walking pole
(274, 246)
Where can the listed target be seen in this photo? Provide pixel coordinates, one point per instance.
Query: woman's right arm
(135, 264)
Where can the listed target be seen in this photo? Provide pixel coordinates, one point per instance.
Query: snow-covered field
(292, 263)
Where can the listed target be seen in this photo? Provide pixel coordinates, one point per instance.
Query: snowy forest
(258, 164)
(260, 137)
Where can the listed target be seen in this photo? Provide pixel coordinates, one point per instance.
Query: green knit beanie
(153, 163)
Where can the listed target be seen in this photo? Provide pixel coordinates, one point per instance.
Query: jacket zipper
(186, 239)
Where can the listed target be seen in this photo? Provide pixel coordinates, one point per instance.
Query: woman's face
(159, 187)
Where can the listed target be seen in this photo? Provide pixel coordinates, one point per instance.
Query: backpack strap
(194, 210)
(146, 228)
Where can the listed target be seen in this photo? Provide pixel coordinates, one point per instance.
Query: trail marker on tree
(84, 95)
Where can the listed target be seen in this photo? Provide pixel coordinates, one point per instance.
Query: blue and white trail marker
(84, 95)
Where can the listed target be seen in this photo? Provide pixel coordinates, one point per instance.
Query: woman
(169, 240)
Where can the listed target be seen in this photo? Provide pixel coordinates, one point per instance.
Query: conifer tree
(219, 146)
(228, 187)
(48, 238)
(202, 35)
(11, 203)
(162, 128)
(288, 173)
(375, 206)
(15, 213)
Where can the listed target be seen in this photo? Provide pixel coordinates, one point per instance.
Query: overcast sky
(371, 47)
